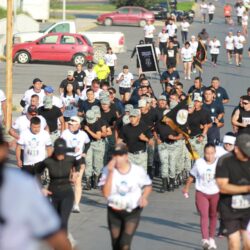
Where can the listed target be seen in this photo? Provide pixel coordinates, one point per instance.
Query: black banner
(147, 58)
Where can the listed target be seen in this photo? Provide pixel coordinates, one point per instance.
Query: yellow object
(102, 70)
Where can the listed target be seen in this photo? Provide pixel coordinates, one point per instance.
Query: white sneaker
(205, 244)
(212, 245)
(185, 78)
(72, 240)
(194, 71)
(76, 209)
(189, 78)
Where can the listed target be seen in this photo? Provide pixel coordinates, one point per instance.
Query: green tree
(142, 3)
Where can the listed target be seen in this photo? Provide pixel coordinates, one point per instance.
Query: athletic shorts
(238, 51)
(230, 51)
(234, 225)
(122, 90)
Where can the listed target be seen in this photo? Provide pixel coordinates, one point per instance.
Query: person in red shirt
(227, 12)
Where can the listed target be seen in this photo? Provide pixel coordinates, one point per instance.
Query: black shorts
(230, 51)
(233, 225)
(238, 51)
(122, 90)
(171, 63)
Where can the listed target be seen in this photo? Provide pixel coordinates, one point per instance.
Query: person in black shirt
(117, 102)
(136, 135)
(162, 105)
(197, 89)
(233, 179)
(62, 171)
(70, 79)
(170, 76)
(171, 54)
(221, 93)
(79, 75)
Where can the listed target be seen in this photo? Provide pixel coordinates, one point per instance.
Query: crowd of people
(66, 140)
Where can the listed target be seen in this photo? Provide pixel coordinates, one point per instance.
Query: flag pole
(9, 62)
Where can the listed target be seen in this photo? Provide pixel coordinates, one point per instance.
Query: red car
(127, 15)
(63, 47)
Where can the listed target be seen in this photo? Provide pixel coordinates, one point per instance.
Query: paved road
(170, 221)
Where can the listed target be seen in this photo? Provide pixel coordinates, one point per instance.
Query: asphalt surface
(170, 221)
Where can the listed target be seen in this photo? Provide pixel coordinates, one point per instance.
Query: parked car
(63, 47)
(127, 15)
(180, 15)
(159, 12)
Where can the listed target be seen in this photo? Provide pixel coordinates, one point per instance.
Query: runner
(211, 11)
(214, 46)
(239, 41)
(70, 79)
(184, 30)
(244, 23)
(163, 40)
(149, 30)
(126, 187)
(229, 45)
(207, 194)
(102, 71)
(187, 59)
(203, 10)
(111, 60)
(79, 75)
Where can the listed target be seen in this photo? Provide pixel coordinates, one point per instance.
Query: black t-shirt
(192, 90)
(130, 135)
(51, 116)
(73, 82)
(221, 94)
(84, 106)
(159, 113)
(110, 117)
(215, 108)
(163, 131)
(79, 76)
(170, 53)
(244, 117)
(196, 119)
(238, 173)
(149, 118)
(95, 127)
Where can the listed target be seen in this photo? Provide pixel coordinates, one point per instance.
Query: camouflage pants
(185, 159)
(169, 155)
(139, 159)
(198, 146)
(95, 158)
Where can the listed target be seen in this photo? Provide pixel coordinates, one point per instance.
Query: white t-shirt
(244, 20)
(30, 92)
(194, 46)
(126, 189)
(220, 151)
(203, 8)
(75, 141)
(204, 174)
(126, 82)
(110, 59)
(34, 146)
(2, 99)
(185, 26)
(171, 29)
(240, 10)
(70, 105)
(26, 212)
(211, 9)
(229, 42)
(149, 31)
(238, 42)
(90, 76)
(56, 101)
(214, 47)
(22, 123)
(187, 54)
(163, 37)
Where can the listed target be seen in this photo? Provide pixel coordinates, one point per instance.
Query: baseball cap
(60, 146)
(91, 117)
(47, 102)
(142, 103)
(32, 109)
(162, 97)
(125, 119)
(70, 73)
(96, 110)
(197, 98)
(229, 138)
(135, 112)
(74, 120)
(103, 94)
(36, 80)
(128, 107)
(243, 142)
(120, 149)
(105, 100)
(49, 89)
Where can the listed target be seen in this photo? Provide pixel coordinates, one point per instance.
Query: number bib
(240, 201)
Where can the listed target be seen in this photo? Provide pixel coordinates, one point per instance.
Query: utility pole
(64, 10)
(9, 63)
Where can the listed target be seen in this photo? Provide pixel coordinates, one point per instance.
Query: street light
(64, 10)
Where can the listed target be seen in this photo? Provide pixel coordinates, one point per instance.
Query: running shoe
(72, 240)
(212, 245)
(205, 244)
(76, 209)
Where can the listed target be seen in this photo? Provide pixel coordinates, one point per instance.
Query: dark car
(159, 12)
(128, 15)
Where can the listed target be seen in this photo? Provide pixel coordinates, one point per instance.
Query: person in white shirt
(244, 22)
(211, 11)
(203, 10)
(90, 76)
(214, 46)
(239, 41)
(184, 30)
(56, 101)
(3, 108)
(111, 59)
(207, 194)
(187, 59)
(162, 40)
(36, 145)
(240, 10)
(171, 29)
(77, 140)
(229, 46)
(125, 80)
(126, 187)
(194, 45)
(149, 30)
